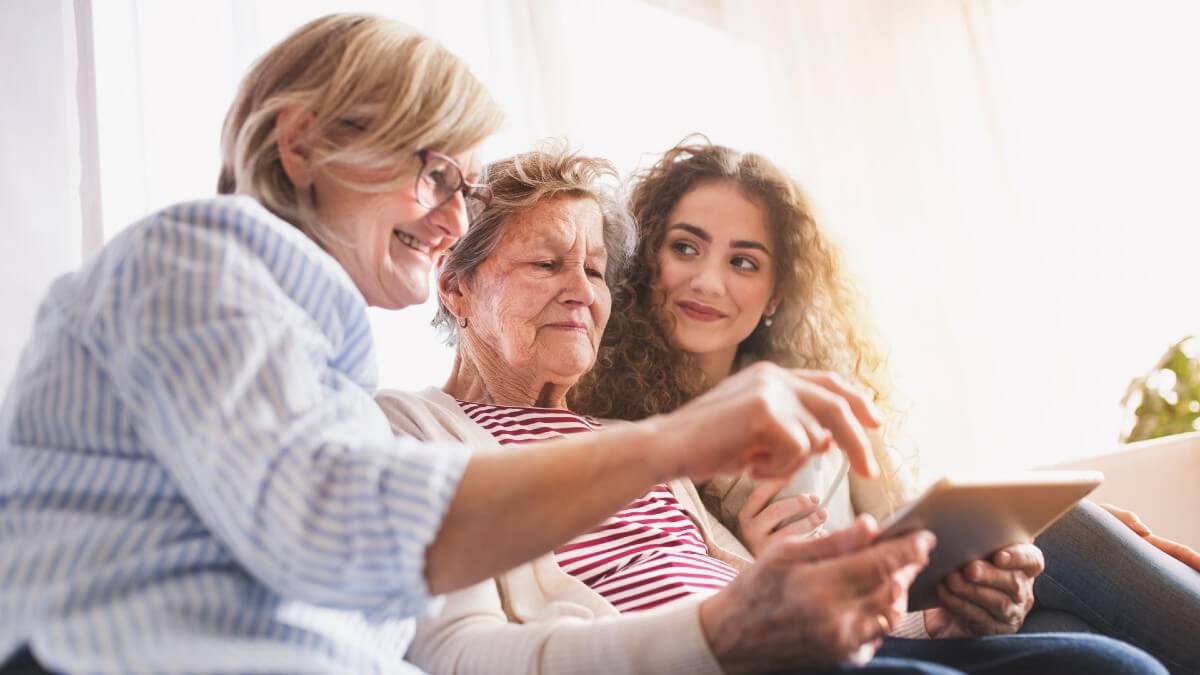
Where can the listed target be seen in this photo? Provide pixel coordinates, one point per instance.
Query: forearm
(517, 504)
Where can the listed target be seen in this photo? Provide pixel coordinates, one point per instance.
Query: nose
(579, 289)
(707, 280)
(451, 217)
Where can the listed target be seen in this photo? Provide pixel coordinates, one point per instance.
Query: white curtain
(1014, 184)
(42, 147)
(1010, 181)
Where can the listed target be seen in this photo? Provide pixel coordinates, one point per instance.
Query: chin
(699, 344)
(406, 296)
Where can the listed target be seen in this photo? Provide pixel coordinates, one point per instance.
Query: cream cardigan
(539, 619)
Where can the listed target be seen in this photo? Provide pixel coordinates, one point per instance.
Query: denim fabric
(1009, 654)
(1099, 574)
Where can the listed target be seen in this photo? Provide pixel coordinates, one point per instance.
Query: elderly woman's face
(539, 301)
(388, 242)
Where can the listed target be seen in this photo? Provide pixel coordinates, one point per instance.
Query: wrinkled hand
(768, 420)
(761, 521)
(1183, 553)
(813, 602)
(987, 598)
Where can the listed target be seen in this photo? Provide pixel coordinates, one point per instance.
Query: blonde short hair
(396, 91)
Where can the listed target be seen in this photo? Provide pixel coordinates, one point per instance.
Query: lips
(699, 311)
(569, 325)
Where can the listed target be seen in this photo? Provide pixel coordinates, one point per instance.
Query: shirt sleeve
(472, 634)
(242, 395)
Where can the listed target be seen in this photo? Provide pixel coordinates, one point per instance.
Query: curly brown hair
(818, 323)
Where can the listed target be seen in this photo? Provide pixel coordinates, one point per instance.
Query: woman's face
(715, 268)
(388, 242)
(539, 302)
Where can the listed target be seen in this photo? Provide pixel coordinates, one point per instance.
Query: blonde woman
(194, 476)
(732, 269)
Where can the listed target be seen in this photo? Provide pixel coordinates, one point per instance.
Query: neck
(716, 366)
(484, 378)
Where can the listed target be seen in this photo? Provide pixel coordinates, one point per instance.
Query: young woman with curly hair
(731, 268)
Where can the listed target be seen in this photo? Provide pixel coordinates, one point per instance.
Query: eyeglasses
(441, 178)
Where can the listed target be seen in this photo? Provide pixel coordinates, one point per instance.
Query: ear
(772, 306)
(453, 295)
(292, 126)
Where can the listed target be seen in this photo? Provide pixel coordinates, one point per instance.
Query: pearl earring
(768, 321)
(462, 323)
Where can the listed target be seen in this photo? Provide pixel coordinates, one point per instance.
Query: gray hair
(523, 181)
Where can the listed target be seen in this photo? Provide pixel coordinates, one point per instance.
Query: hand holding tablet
(975, 517)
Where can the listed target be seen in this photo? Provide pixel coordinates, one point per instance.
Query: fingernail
(1003, 558)
(822, 514)
(812, 499)
(927, 540)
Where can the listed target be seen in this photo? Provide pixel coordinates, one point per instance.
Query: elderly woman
(193, 474)
(659, 587)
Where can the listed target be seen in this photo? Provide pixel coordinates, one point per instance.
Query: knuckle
(837, 381)
(841, 407)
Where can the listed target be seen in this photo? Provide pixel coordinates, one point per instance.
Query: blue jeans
(1101, 577)
(1009, 654)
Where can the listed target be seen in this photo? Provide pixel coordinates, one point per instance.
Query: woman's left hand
(763, 518)
(987, 598)
(1184, 554)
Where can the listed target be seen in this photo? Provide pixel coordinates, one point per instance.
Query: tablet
(974, 517)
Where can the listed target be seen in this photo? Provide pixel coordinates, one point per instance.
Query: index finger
(762, 494)
(833, 413)
(864, 408)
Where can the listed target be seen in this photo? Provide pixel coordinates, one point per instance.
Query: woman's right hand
(811, 603)
(768, 420)
(761, 521)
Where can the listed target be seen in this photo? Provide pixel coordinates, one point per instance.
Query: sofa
(1158, 479)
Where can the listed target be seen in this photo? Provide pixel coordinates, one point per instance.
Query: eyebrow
(704, 236)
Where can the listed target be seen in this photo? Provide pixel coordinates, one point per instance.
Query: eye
(593, 272)
(545, 264)
(436, 177)
(744, 263)
(684, 248)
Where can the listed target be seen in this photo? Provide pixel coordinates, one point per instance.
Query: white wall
(39, 162)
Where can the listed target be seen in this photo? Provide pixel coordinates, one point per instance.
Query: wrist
(716, 636)
(653, 445)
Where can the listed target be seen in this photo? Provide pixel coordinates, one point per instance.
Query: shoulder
(429, 414)
(242, 255)
(234, 230)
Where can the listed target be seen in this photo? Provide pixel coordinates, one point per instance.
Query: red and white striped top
(648, 554)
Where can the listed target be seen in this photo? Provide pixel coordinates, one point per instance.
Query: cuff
(912, 626)
(664, 641)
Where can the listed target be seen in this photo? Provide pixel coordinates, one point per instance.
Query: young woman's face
(715, 268)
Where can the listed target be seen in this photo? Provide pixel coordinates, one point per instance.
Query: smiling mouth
(412, 242)
(701, 312)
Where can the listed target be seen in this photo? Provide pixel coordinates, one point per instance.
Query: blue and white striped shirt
(193, 474)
